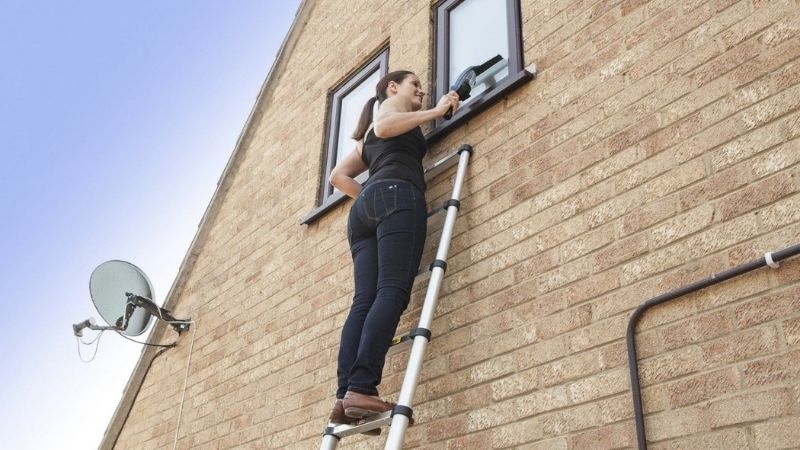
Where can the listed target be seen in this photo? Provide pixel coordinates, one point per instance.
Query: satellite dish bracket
(138, 301)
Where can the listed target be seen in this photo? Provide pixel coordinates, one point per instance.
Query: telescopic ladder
(399, 417)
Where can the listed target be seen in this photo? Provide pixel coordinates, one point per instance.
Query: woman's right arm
(394, 119)
(343, 175)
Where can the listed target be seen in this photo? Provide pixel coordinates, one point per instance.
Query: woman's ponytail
(365, 120)
(380, 95)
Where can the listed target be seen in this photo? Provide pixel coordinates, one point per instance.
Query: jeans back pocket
(380, 202)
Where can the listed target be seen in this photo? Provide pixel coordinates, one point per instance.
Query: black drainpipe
(769, 259)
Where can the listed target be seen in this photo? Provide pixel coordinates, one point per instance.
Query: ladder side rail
(329, 442)
(400, 422)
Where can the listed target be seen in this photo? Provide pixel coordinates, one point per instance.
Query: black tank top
(398, 157)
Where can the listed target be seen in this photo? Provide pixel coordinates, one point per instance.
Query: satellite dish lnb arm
(164, 314)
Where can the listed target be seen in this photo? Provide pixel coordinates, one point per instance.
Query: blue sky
(116, 120)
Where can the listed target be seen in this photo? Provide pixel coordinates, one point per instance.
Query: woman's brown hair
(380, 95)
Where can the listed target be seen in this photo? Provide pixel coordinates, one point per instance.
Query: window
(471, 33)
(346, 102)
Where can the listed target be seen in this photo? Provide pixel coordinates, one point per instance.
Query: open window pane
(478, 32)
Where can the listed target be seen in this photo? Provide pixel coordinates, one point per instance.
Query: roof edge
(149, 353)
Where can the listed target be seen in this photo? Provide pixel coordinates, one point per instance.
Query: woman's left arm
(343, 175)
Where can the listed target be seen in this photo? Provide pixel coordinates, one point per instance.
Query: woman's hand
(448, 101)
(343, 175)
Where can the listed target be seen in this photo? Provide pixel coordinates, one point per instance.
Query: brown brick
(727, 438)
(781, 433)
(587, 199)
(648, 344)
(648, 214)
(740, 346)
(468, 442)
(696, 330)
(756, 195)
(675, 423)
(702, 387)
(654, 262)
(789, 271)
(669, 366)
(767, 308)
(761, 17)
(615, 208)
(791, 331)
(494, 368)
(597, 386)
(598, 333)
(514, 434)
(715, 186)
(564, 321)
(569, 368)
(750, 407)
(515, 384)
(619, 407)
(645, 171)
(543, 352)
(781, 213)
(675, 180)
(621, 251)
(558, 443)
(610, 436)
(681, 226)
(758, 140)
(723, 235)
(591, 287)
(773, 370)
(447, 428)
(613, 355)
(571, 420)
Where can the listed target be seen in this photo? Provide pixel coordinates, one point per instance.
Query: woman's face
(411, 88)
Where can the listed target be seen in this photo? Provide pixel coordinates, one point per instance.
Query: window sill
(331, 202)
(486, 99)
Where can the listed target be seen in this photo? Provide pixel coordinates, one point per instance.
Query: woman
(386, 231)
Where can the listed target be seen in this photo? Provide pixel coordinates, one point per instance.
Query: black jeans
(386, 230)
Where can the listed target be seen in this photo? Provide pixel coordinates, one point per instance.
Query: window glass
(351, 107)
(478, 32)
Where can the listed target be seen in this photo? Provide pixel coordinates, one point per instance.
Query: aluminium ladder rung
(371, 423)
(441, 165)
(438, 167)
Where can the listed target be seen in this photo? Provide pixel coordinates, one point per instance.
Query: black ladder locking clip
(438, 263)
(329, 432)
(452, 202)
(403, 411)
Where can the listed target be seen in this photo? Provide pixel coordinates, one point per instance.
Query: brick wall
(659, 144)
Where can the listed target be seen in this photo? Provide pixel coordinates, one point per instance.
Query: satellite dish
(110, 286)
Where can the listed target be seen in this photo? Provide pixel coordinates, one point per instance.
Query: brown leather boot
(338, 417)
(358, 405)
(362, 406)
